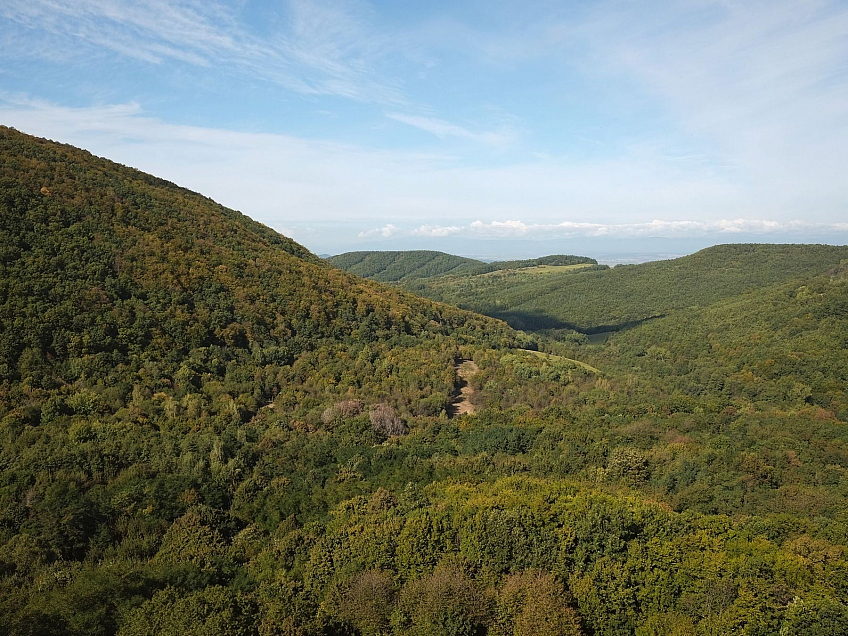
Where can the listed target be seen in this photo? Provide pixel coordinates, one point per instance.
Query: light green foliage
(191, 540)
(534, 603)
(213, 611)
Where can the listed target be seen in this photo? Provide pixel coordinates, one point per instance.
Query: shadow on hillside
(529, 321)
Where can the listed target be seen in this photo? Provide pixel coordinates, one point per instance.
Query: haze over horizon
(488, 129)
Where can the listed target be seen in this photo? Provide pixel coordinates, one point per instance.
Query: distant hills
(397, 266)
(605, 299)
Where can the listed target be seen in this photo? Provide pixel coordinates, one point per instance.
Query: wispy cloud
(763, 84)
(320, 48)
(443, 129)
(757, 89)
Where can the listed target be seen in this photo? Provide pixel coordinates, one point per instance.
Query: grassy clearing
(551, 356)
(539, 269)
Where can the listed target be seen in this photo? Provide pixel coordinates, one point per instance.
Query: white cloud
(500, 228)
(321, 48)
(386, 231)
(289, 182)
(655, 228)
(437, 231)
(443, 129)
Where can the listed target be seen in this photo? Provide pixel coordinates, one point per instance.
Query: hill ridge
(395, 266)
(601, 299)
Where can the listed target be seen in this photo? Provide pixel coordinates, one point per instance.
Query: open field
(551, 356)
(539, 269)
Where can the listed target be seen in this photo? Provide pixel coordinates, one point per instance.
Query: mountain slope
(389, 267)
(412, 265)
(103, 265)
(597, 301)
(781, 345)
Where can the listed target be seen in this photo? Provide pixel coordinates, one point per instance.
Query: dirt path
(461, 404)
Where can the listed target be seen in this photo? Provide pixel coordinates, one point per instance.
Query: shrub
(386, 422)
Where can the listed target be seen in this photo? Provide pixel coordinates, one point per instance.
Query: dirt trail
(461, 404)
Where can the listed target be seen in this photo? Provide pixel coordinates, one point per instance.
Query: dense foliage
(411, 265)
(784, 344)
(391, 267)
(601, 299)
(206, 430)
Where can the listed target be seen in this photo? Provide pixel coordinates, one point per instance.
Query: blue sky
(491, 126)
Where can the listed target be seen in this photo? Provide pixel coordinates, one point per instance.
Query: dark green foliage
(411, 265)
(500, 439)
(600, 299)
(390, 267)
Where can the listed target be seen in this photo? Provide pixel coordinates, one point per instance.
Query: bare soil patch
(461, 403)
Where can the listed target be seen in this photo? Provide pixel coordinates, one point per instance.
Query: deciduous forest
(205, 429)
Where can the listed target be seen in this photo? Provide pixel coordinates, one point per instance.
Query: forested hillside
(411, 265)
(607, 299)
(389, 267)
(781, 344)
(204, 429)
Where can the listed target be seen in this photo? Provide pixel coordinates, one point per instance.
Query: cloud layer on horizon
(655, 228)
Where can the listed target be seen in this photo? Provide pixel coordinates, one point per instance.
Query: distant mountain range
(592, 299)
(396, 266)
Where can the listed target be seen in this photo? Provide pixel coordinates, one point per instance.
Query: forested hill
(777, 345)
(633, 292)
(394, 266)
(397, 266)
(103, 265)
(600, 300)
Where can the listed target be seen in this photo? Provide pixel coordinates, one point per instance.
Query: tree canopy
(204, 429)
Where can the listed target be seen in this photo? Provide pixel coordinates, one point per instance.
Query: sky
(489, 129)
